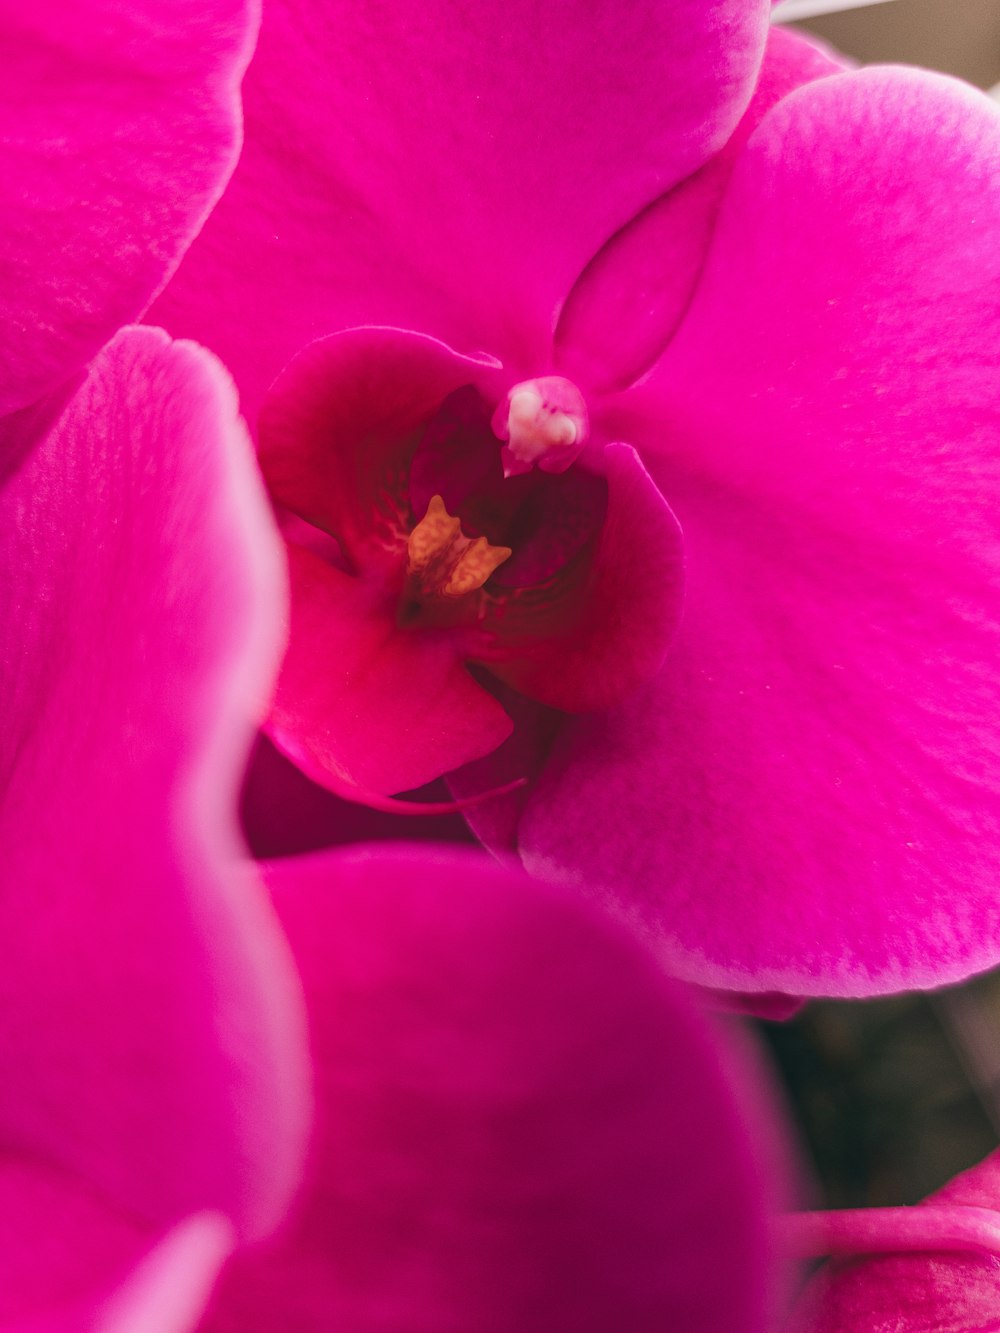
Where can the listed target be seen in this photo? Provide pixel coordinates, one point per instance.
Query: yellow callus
(443, 560)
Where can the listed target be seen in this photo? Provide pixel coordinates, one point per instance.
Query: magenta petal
(121, 125)
(921, 1292)
(151, 1043)
(363, 706)
(630, 298)
(451, 167)
(809, 797)
(522, 1125)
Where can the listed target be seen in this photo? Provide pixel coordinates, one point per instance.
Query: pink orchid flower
(774, 279)
(521, 1122)
(914, 1270)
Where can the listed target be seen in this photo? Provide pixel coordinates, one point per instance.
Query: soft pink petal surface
(151, 1043)
(521, 1125)
(363, 703)
(120, 128)
(913, 1293)
(808, 799)
(451, 167)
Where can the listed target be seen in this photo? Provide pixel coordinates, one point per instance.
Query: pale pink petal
(451, 167)
(808, 799)
(920, 1292)
(121, 125)
(362, 703)
(522, 1126)
(630, 298)
(151, 1039)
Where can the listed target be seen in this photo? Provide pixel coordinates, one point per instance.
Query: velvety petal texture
(808, 797)
(120, 125)
(151, 1045)
(450, 167)
(918, 1292)
(521, 1125)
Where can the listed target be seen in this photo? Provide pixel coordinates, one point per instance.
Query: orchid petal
(522, 1126)
(434, 166)
(151, 1043)
(121, 128)
(809, 797)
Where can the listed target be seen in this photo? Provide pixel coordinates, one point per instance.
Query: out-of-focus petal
(451, 168)
(121, 124)
(365, 705)
(522, 1126)
(340, 425)
(808, 799)
(628, 301)
(69, 1261)
(151, 1042)
(919, 1292)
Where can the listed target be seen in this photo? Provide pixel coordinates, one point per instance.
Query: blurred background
(896, 1096)
(957, 36)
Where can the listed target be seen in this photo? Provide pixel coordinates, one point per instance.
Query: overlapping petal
(398, 175)
(809, 797)
(151, 1052)
(928, 1290)
(120, 127)
(628, 301)
(521, 1126)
